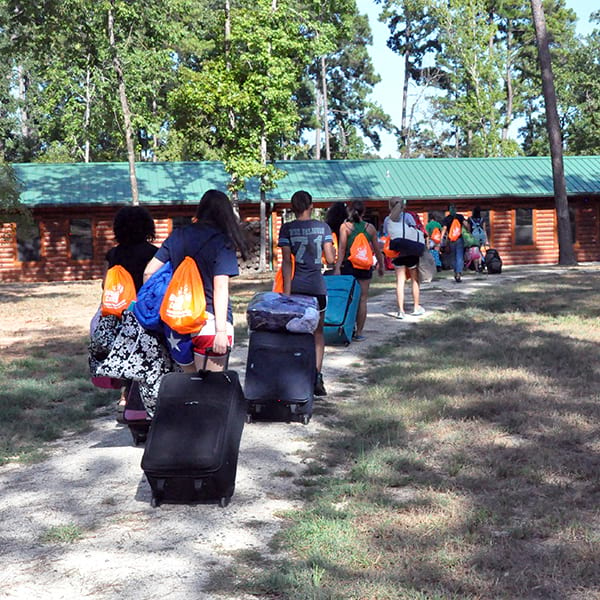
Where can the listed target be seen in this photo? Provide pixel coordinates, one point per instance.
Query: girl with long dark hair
(212, 241)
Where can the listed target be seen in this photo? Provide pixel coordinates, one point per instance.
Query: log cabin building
(73, 205)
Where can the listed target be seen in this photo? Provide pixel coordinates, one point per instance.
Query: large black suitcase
(192, 448)
(280, 376)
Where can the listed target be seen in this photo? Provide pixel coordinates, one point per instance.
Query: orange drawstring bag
(361, 254)
(455, 230)
(436, 235)
(334, 240)
(278, 283)
(118, 291)
(184, 305)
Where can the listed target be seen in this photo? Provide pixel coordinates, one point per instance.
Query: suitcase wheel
(224, 501)
(248, 418)
(305, 419)
(155, 502)
(138, 437)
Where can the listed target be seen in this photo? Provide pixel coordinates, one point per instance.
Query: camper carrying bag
(407, 240)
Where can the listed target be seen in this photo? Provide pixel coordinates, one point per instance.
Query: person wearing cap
(405, 266)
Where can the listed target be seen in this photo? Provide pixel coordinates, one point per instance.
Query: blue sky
(388, 64)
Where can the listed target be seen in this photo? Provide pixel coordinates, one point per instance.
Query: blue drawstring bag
(150, 297)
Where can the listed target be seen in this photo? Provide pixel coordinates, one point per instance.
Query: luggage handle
(206, 357)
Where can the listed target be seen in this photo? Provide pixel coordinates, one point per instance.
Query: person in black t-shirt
(134, 229)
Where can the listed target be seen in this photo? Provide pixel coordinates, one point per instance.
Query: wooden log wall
(55, 263)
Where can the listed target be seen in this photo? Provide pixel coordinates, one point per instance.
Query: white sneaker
(418, 312)
(397, 315)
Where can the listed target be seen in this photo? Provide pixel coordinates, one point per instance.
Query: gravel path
(130, 550)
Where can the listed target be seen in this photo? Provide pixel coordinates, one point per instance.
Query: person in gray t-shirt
(307, 240)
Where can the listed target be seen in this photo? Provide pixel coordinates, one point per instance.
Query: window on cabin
(28, 242)
(573, 222)
(485, 215)
(178, 222)
(523, 227)
(80, 239)
(372, 216)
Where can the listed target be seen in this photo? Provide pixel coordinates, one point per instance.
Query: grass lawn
(468, 467)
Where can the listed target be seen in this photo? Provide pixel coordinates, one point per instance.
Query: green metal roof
(327, 181)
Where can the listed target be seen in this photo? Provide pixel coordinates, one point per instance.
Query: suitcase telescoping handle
(208, 351)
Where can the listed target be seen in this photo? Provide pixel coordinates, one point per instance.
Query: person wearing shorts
(212, 241)
(307, 240)
(354, 225)
(404, 266)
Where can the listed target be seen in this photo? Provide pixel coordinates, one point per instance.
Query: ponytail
(356, 211)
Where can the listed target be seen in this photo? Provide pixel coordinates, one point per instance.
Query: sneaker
(319, 386)
(358, 338)
(418, 311)
(397, 315)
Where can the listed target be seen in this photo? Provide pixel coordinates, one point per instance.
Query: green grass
(44, 396)
(468, 467)
(62, 534)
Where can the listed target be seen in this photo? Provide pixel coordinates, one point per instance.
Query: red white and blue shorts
(205, 338)
(182, 347)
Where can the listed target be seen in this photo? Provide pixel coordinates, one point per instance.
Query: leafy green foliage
(480, 59)
(11, 210)
(201, 81)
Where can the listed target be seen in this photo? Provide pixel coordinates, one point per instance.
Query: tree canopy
(231, 80)
(476, 62)
(251, 82)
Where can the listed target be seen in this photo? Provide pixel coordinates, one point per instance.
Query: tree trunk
(23, 114)
(509, 86)
(325, 108)
(319, 113)
(403, 124)
(230, 114)
(262, 261)
(124, 106)
(87, 113)
(566, 254)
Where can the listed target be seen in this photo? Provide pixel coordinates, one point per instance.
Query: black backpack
(493, 262)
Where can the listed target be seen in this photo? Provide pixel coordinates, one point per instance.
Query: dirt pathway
(130, 550)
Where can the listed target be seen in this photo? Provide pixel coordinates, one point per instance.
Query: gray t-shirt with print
(306, 240)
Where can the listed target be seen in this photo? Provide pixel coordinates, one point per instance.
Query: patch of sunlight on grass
(384, 466)
(328, 539)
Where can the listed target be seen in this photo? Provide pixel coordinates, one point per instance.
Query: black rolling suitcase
(192, 448)
(280, 376)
